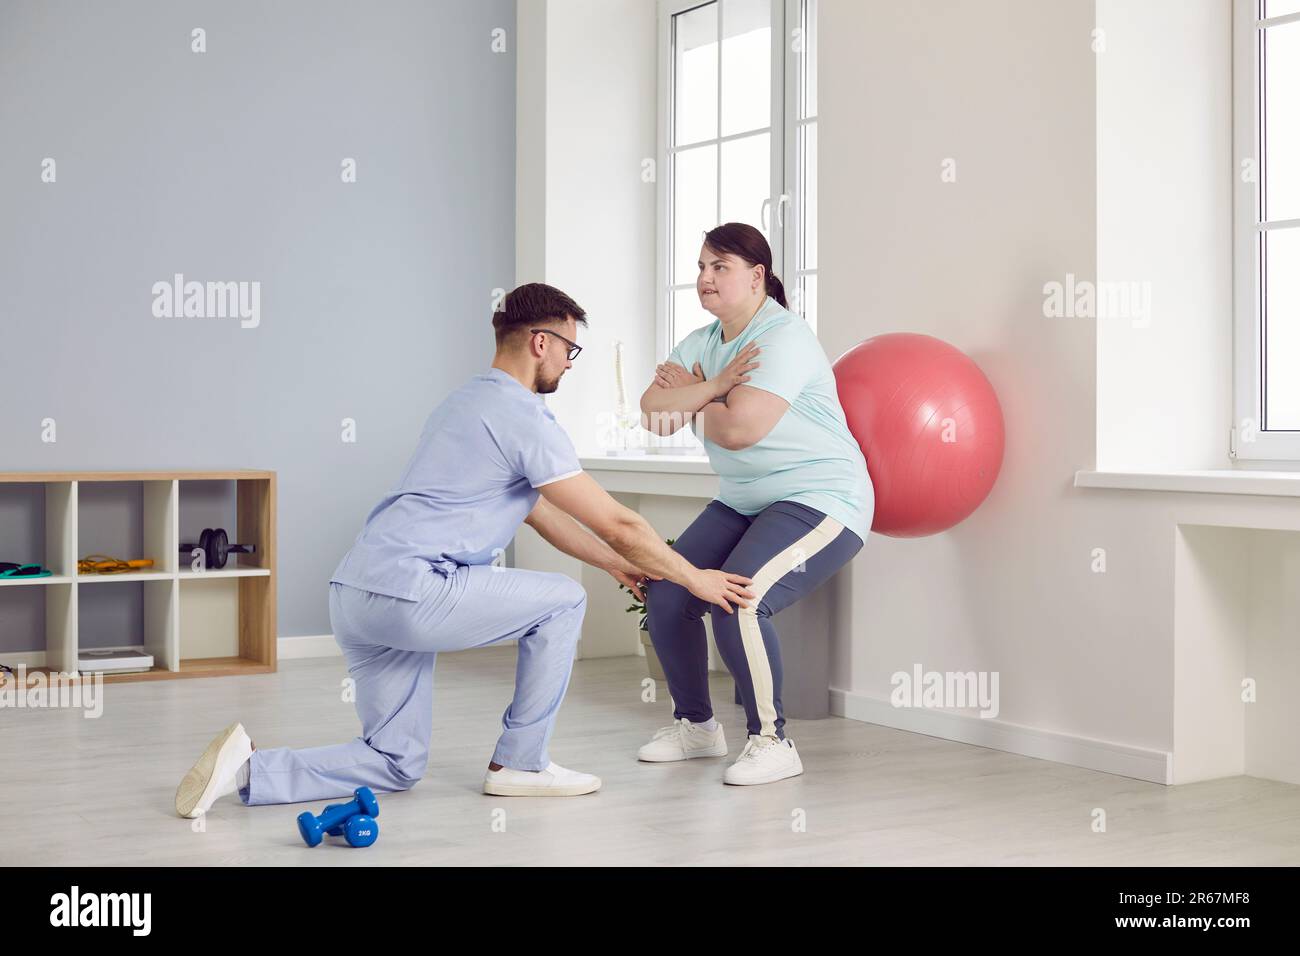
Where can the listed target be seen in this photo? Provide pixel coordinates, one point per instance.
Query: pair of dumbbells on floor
(354, 821)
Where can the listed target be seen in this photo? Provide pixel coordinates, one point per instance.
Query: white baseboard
(288, 649)
(28, 659)
(1137, 762)
(309, 645)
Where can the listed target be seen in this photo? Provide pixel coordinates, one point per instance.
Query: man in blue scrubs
(425, 575)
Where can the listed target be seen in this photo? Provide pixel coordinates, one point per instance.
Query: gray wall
(225, 166)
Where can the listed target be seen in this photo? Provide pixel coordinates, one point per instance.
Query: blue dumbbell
(361, 830)
(338, 820)
(337, 829)
(358, 829)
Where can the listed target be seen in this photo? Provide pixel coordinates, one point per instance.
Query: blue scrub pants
(390, 645)
(787, 549)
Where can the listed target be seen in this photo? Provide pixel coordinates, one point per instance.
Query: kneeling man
(424, 576)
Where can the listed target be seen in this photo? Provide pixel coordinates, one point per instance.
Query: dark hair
(531, 305)
(743, 240)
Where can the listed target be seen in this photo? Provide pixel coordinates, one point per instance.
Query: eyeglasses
(574, 348)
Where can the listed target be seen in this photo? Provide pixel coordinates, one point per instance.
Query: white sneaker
(554, 781)
(764, 760)
(682, 741)
(215, 773)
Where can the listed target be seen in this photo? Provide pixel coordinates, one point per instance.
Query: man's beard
(547, 386)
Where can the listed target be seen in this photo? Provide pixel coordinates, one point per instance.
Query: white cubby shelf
(208, 623)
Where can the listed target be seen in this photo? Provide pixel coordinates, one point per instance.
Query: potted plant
(639, 608)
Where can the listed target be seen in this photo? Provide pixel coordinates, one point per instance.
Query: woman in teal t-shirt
(794, 500)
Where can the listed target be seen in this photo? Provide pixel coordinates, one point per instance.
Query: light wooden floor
(88, 792)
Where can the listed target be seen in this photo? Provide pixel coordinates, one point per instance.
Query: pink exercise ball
(930, 426)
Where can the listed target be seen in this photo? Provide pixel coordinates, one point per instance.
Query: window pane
(1280, 8)
(695, 207)
(695, 75)
(1282, 122)
(746, 65)
(747, 180)
(808, 62)
(808, 195)
(1282, 329)
(688, 314)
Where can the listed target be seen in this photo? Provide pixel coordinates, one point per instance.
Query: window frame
(1247, 440)
(783, 149)
(797, 14)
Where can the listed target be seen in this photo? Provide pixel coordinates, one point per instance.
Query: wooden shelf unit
(244, 592)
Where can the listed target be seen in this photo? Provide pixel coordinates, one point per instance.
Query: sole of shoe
(501, 789)
(195, 784)
(717, 751)
(793, 771)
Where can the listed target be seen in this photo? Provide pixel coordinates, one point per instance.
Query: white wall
(597, 85)
(1164, 218)
(1010, 89)
(1006, 89)
(1236, 618)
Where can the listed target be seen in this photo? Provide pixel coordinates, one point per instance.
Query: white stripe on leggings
(751, 637)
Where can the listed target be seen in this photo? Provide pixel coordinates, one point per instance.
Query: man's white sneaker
(215, 773)
(682, 741)
(554, 781)
(764, 760)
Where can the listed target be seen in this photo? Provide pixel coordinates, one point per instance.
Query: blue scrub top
(809, 456)
(473, 479)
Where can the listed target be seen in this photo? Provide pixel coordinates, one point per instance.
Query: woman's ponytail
(776, 290)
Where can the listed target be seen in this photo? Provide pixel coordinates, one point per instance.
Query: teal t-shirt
(809, 456)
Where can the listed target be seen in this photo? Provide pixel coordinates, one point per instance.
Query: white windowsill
(669, 476)
(670, 464)
(1284, 484)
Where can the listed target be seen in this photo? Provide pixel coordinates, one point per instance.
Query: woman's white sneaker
(554, 781)
(764, 760)
(683, 741)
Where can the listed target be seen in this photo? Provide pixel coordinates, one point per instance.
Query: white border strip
(1136, 762)
(812, 543)
(28, 659)
(310, 645)
(288, 649)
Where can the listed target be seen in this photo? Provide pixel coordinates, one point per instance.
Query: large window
(738, 143)
(1267, 234)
